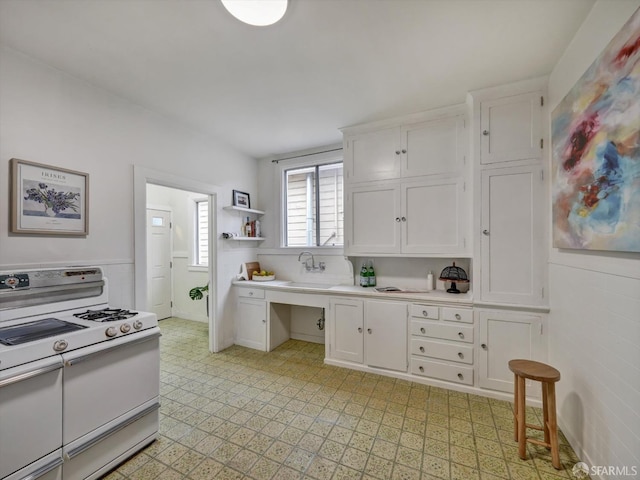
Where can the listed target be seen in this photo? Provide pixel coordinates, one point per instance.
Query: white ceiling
(327, 64)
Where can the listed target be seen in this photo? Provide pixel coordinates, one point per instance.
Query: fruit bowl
(263, 278)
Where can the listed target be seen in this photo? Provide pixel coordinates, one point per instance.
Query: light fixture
(256, 12)
(454, 274)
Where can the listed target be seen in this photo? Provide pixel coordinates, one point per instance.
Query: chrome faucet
(311, 268)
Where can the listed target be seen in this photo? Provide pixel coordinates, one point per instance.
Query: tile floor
(244, 414)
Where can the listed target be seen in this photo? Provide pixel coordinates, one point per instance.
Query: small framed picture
(241, 199)
(48, 200)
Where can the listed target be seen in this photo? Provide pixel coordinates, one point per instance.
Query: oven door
(108, 380)
(30, 413)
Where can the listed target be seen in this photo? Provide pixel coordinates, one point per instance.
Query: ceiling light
(256, 12)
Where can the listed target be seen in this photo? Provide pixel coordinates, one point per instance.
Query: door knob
(485, 232)
(359, 329)
(485, 133)
(368, 330)
(397, 219)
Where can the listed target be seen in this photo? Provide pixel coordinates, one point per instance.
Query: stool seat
(540, 372)
(548, 376)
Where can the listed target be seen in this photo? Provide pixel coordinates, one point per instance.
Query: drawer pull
(460, 376)
(461, 355)
(422, 330)
(368, 330)
(359, 329)
(461, 335)
(264, 321)
(421, 368)
(425, 313)
(458, 317)
(422, 349)
(484, 346)
(251, 294)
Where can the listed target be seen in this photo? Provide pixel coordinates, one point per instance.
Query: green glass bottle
(364, 276)
(371, 274)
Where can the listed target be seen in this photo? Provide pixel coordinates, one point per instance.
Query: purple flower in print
(51, 199)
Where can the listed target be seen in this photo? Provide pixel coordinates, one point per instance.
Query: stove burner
(106, 314)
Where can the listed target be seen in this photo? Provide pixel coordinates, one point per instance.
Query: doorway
(146, 180)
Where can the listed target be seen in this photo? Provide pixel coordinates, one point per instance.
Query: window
(202, 233)
(313, 206)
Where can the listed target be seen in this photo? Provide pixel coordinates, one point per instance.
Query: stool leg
(553, 425)
(545, 411)
(515, 407)
(522, 432)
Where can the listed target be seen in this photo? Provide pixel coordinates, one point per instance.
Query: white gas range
(79, 380)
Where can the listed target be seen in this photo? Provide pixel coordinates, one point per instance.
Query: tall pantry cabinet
(510, 257)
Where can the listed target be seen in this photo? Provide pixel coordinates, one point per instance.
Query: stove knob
(111, 332)
(137, 324)
(60, 345)
(125, 327)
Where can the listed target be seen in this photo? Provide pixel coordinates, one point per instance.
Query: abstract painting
(596, 151)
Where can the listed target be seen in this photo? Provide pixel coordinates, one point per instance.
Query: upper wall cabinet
(511, 128)
(428, 144)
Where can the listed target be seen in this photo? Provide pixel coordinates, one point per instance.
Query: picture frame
(241, 199)
(48, 200)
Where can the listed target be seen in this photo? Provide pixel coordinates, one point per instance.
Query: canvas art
(596, 152)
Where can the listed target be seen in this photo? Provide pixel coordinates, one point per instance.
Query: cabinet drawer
(425, 311)
(460, 333)
(464, 315)
(251, 292)
(443, 371)
(455, 352)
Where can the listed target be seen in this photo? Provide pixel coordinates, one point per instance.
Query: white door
(159, 262)
(512, 236)
(386, 335)
(373, 155)
(434, 147)
(433, 216)
(372, 219)
(345, 331)
(511, 128)
(506, 336)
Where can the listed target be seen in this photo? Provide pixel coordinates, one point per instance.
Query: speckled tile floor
(244, 414)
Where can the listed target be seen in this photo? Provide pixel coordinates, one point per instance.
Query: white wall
(594, 324)
(50, 117)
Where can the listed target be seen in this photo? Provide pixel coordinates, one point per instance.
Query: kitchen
(52, 114)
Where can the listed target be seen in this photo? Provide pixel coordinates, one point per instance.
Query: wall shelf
(246, 239)
(242, 209)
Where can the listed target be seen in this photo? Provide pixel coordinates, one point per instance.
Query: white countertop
(434, 296)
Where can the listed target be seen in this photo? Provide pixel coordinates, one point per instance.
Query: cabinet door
(511, 128)
(386, 335)
(505, 336)
(251, 323)
(345, 330)
(433, 147)
(512, 237)
(433, 217)
(372, 155)
(372, 219)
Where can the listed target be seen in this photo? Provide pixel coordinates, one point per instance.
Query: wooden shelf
(242, 209)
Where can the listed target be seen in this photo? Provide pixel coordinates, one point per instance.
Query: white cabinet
(442, 343)
(386, 334)
(425, 217)
(511, 128)
(503, 336)
(345, 331)
(512, 236)
(251, 318)
(410, 149)
(369, 332)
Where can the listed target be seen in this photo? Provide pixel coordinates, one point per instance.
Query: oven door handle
(116, 428)
(42, 471)
(109, 346)
(41, 368)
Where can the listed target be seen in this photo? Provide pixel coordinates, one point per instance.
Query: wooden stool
(548, 376)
